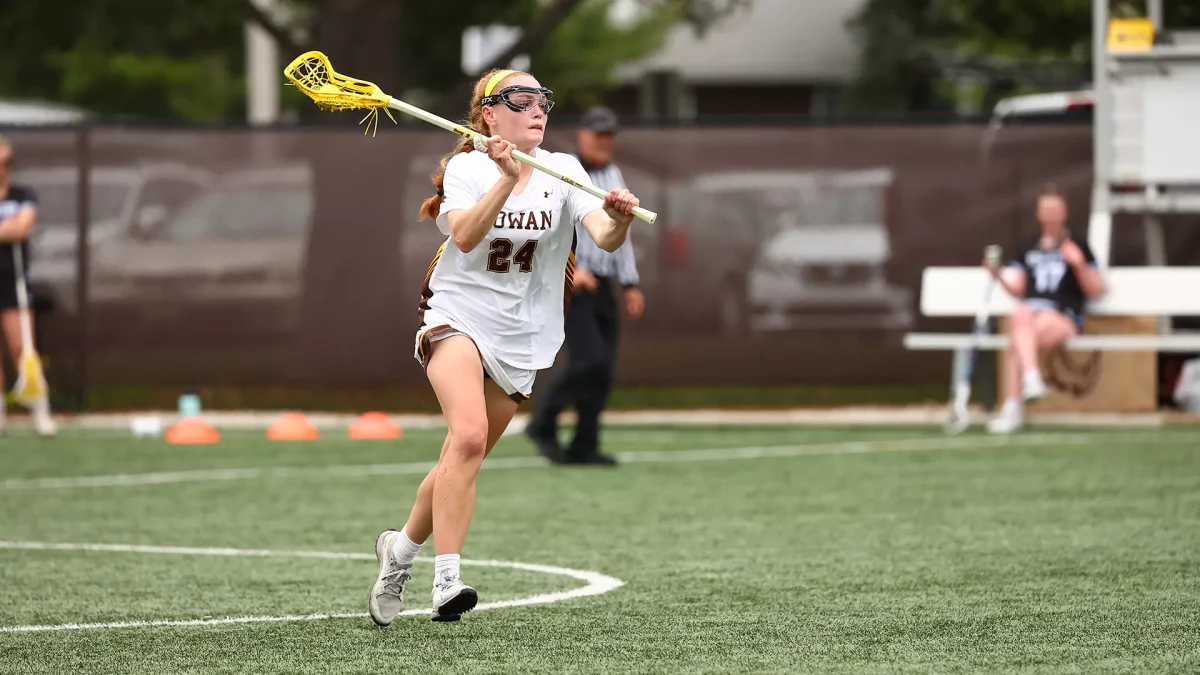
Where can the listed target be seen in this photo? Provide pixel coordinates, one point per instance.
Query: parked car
(123, 202)
(242, 240)
(758, 251)
(1048, 107)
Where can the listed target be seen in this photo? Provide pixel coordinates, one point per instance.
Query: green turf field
(709, 550)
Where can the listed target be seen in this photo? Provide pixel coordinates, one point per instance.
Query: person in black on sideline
(593, 319)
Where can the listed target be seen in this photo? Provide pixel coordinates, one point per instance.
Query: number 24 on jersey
(501, 258)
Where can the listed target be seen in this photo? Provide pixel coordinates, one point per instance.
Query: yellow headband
(495, 80)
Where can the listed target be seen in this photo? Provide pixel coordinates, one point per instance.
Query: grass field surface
(718, 549)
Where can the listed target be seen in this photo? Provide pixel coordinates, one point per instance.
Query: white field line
(595, 584)
(498, 463)
(932, 414)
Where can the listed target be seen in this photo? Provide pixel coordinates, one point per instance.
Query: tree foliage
(155, 58)
(182, 59)
(907, 47)
(579, 58)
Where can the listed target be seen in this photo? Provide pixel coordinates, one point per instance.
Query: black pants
(592, 328)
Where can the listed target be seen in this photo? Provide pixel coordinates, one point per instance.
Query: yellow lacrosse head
(30, 386)
(312, 73)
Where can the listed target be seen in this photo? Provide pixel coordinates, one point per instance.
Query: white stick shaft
(408, 109)
(22, 299)
(983, 313)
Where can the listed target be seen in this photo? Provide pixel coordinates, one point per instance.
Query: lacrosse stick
(964, 360)
(312, 74)
(30, 386)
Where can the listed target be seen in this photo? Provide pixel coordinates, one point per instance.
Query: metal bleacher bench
(1131, 291)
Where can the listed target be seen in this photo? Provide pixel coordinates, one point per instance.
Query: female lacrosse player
(491, 313)
(1052, 277)
(18, 215)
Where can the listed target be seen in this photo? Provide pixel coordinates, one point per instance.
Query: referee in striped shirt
(593, 319)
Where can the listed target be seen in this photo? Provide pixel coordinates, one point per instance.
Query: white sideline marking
(596, 584)
(183, 550)
(666, 456)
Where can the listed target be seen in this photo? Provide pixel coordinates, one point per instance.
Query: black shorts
(8, 293)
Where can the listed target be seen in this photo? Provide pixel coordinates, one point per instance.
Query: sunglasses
(520, 98)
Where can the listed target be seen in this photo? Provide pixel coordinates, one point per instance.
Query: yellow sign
(1130, 35)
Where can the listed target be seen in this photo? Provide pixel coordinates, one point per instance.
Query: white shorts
(516, 382)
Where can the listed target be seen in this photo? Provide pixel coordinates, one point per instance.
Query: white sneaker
(1033, 387)
(1008, 421)
(43, 421)
(387, 595)
(452, 598)
(44, 425)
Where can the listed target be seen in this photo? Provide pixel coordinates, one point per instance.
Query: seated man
(1051, 278)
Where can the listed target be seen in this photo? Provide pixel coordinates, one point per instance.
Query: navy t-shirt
(1050, 280)
(17, 198)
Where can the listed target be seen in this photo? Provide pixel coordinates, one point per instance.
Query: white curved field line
(500, 463)
(596, 584)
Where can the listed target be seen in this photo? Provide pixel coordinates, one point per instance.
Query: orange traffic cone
(192, 431)
(292, 427)
(374, 426)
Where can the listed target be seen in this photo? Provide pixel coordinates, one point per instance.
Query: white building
(777, 57)
(32, 113)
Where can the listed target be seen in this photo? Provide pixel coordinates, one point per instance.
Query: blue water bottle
(189, 405)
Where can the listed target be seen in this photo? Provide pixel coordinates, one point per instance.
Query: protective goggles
(521, 98)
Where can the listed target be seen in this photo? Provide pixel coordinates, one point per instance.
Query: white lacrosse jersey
(510, 292)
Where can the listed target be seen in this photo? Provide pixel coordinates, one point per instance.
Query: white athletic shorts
(516, 382)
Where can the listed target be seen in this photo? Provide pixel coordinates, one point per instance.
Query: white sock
(1012, 407)
(445, 564)
(404, 549)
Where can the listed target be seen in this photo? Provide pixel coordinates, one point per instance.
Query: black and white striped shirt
(588, 256)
